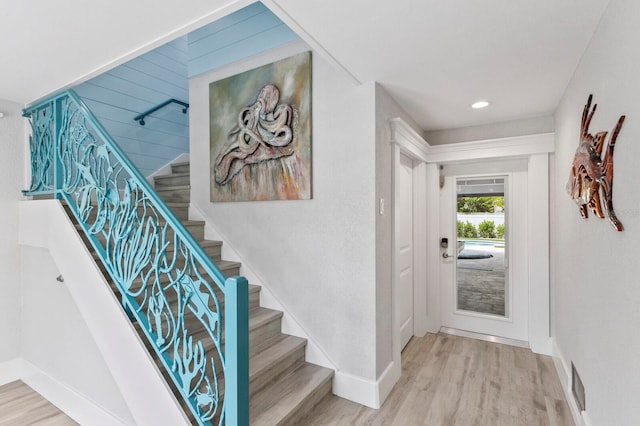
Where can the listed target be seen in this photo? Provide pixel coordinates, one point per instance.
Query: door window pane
(481, 245)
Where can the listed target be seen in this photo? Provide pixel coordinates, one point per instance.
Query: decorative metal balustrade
(167, 282)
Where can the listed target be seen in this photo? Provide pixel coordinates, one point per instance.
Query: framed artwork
(260, 133)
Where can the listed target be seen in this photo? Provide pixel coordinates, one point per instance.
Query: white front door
(484, 286)
(404, 249)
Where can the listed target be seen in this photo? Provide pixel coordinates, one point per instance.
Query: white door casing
(404, 249)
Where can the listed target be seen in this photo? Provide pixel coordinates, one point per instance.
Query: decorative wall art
(260, 133)
(591, 178)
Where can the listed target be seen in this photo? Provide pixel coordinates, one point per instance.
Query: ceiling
(434, 57)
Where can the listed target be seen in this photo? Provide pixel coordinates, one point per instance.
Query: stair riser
(170, 180)
(309, 403)
(215, 252)
(181, 212)
(264, 336)
(180, 168)
(284, 366)
(196, 230)
(175, 195)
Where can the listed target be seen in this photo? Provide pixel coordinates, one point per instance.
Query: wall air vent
(577, 388)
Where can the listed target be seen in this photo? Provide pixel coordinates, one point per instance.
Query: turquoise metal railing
(140, 117)
(167, 282)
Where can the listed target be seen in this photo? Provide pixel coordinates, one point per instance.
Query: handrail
(141, 117)
(167, 281)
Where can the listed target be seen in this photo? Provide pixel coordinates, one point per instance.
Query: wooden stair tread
(192, 222)
(281, 400)
(227, 264)
(178, 205)
(210, 243)
(179, 174)
(266, 358)
(260, 316)
(173, 188)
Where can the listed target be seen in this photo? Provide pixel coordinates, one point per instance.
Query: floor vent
(577, 388)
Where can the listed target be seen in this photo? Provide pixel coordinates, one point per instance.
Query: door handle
(444, 245)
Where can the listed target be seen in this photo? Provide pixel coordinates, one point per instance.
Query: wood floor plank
(458, 381)
(22, 406)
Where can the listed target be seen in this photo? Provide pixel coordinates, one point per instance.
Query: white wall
(386, 108)
(317, 256)
(56, 339)
(12, 142)
(595, 269)
(505, 129)
(77, 337)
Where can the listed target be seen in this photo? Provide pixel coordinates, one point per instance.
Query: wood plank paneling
(122, 93)
(228, 21)
(240, 35)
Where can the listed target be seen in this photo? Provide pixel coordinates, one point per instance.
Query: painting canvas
(260, 133)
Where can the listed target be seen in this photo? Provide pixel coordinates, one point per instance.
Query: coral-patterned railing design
(167, 282)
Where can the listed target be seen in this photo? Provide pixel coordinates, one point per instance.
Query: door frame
(536, 149)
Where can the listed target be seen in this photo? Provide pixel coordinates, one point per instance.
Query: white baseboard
(387, 381)
(366, 392)
(69, 401)
(564, 373)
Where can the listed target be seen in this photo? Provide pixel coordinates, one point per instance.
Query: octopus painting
(263, 132)
(260, 133)
(591, 179)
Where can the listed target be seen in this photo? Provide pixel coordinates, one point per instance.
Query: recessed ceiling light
(480, 104)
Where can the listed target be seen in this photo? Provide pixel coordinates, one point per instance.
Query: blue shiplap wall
(242, 34)
(120, 94)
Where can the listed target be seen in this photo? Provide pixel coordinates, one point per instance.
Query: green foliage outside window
(470, 231)
(487, 229)
(479, 204)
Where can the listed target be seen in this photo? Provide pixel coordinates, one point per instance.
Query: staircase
(283, 386)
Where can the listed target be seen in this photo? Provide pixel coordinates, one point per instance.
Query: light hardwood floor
(451, 380)
(446, 380)
(21, 406)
